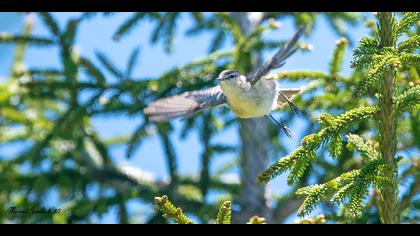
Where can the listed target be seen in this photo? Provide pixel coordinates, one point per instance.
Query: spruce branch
(224, 214)
(297, 161)
(51, 23)
(352, 185)
(300, 75)
(409, 19)
(93, 71)
(136, 139)
(165, 31)
(109, 65)
(230, 25)
(68, 37)
(357, 195)
(338, 55)
(335, 145)
(356, 142)
(132, 62)
(314, 196)
(281, 166)
(127, 26)
(381, 62)
(408, 100)
(170, 211)
(17, 68)
(410, 44)
(169, 150)
(362, 55)
(319, 219)
(256, 220)
(44, 73)
(34, 40)
(298, 168)
(410, 59)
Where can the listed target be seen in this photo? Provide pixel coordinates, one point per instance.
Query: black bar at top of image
(209, 5)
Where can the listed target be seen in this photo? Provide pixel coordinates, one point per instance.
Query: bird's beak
(219, 79)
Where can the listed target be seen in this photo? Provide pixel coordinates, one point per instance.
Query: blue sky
(96, 34)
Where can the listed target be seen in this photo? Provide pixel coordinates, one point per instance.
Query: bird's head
(230, 77)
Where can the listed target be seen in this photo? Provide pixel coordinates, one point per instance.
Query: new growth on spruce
(379, 60)
(224, 214)
(169, 211)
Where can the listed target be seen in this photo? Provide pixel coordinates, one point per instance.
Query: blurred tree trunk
(255, 143)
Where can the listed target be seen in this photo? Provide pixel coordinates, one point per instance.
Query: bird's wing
(185, 104)
(289, 93)
(278, 59)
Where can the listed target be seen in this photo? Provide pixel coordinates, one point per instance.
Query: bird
(248, 97)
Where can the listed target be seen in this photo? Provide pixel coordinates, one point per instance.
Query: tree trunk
(387, 127)
(254, 151)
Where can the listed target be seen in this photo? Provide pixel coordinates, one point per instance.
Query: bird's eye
(231, 76)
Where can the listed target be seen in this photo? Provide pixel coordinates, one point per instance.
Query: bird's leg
(294, 108)
(281, 124)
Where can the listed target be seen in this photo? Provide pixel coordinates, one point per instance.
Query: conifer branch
(136, 139)
(352, 185)
(409, 19)
(93, 71)
(34, 40)
(410, 44)
(338, 55)
(51, 23)
(356, 142)
(132, 62)
(299, 159)
(256, 220)
(319, 219)
(170, 211)
(410, 99)
(224, 214)
(410, 59)
(299, 75)
(365, 51)
(109, 65)
(127, 26)
(381, 62)
(231, 25)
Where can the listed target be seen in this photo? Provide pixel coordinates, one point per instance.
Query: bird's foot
(281, 124)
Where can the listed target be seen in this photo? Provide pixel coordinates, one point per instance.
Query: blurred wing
(185, 104)
(279, 58)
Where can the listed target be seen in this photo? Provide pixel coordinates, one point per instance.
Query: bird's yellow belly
(248, 106)
(257, 101)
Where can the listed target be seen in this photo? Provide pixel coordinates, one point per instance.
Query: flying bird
(248, 97)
